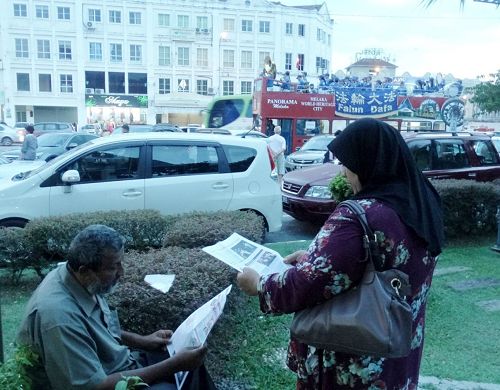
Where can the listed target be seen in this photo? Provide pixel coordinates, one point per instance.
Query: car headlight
(288, 159)
(318, 160)
(321, 192)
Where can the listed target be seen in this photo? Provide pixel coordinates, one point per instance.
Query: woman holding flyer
(404, 211)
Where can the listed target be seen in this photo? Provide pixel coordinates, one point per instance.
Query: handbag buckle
(396, 285)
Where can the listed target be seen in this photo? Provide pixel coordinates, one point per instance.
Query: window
(138, 83)
(95, 79)
(202, 21)
(115, 52)
(119, 163)
(66, 81)
(228, 58)
(302, 30)
(63, 13)
(43, 48)
(116, 82)
(246, 25)
(318, 34)
(202, 87)
(163, 86)
(182, 21)
(246, 87)
(64, 50)
(42, 11)
(228, 87)
(94, 15)
(45, 83)
(202, 57)
(183, 56)
(246, 59)
(135, 53)
(164, 20)
(22, 48)
(450, 154)
(288, 61)
(485, 152)
(164, 55)
(183, 85)
(20, 10)
(174, 160)
(300, 62)
(239, 157)
(228, 24)
(23, 82)
(95, 51)
(264, 26)
(134, 17)
(289, 28)
(115, 16)
(421, 151)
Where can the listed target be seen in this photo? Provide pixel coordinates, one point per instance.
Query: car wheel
(13, 222)
(6, 141)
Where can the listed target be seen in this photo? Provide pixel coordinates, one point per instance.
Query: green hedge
(469, 207)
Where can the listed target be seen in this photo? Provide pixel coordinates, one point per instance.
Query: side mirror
(71, 176)
(72, 145)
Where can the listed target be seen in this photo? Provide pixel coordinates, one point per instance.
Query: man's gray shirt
(77, 338)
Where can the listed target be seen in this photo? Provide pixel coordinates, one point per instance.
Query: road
(293, 230)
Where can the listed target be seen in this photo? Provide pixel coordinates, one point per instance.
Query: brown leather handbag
(372, 318)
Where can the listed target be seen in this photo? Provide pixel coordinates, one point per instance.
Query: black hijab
(377, 153)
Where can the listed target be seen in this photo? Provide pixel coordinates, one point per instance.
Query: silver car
(8, 135)
(312, 153)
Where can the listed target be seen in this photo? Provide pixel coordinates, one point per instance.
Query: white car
(9, 169)
(9, 135)
(170, 172)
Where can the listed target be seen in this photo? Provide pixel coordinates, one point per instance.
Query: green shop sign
(116, 101)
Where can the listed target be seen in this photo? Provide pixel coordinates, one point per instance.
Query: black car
(52, 145)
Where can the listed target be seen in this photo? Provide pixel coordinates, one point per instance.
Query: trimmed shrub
(15, 251)
(50, 237)
(143, 309)
(469, 207)
(201, 229)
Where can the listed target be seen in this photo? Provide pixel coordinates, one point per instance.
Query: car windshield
(317, 143)
(48, 140)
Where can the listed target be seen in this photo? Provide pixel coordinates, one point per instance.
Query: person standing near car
(125, 129)
(30, 144)
(277, 144)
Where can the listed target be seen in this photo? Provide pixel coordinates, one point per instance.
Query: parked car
(51, 127)
(92, 128)
(159, 127)
(440, 155)
(9, 135)
(170, 172)
(312, 153)
(9, 168)
(190, 128)
(51, 145)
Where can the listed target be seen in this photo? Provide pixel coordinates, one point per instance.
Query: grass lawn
(247, 347)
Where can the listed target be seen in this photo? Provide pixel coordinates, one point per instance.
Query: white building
(147, 60)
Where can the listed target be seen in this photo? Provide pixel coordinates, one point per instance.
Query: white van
(170, 172)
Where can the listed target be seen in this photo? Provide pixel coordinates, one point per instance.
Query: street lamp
(222, 37)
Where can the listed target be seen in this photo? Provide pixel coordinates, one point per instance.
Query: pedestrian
(277, 144)
(30, 144)
(404, 210)
(77, 336)
(125, 129)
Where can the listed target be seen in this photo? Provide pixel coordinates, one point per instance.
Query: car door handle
(132, 193)
(220, 186)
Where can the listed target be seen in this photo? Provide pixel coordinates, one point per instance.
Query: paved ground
(433, 383)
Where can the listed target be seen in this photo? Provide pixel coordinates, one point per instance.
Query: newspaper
(239, 252)
(193, 332)
(160, 282)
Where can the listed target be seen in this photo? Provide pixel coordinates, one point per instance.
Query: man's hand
(294, 257)
(157, 341)
(248, 280)
(189, 359)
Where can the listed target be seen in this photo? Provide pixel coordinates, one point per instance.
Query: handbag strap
(369, 239)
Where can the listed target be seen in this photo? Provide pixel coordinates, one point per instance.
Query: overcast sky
(441, 38)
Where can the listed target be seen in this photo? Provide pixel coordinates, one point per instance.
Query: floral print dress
(331, 266)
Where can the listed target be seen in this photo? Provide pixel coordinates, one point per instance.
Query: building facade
(147, 61)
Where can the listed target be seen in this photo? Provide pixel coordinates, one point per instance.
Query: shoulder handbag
(373, 318)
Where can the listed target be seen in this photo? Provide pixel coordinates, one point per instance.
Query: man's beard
(96, 287)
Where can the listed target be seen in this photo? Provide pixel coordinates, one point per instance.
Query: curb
(434, 383)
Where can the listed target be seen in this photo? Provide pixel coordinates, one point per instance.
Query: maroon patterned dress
(330, 267)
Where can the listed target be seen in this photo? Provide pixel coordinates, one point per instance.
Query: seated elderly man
(78, 337)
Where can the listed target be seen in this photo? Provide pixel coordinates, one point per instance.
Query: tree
(487, 94)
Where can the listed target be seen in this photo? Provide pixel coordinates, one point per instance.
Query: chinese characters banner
(365, 102)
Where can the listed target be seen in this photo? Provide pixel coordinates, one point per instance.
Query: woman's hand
(248, 280)
(293, 258)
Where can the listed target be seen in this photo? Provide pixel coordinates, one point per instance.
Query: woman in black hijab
(404, 211)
